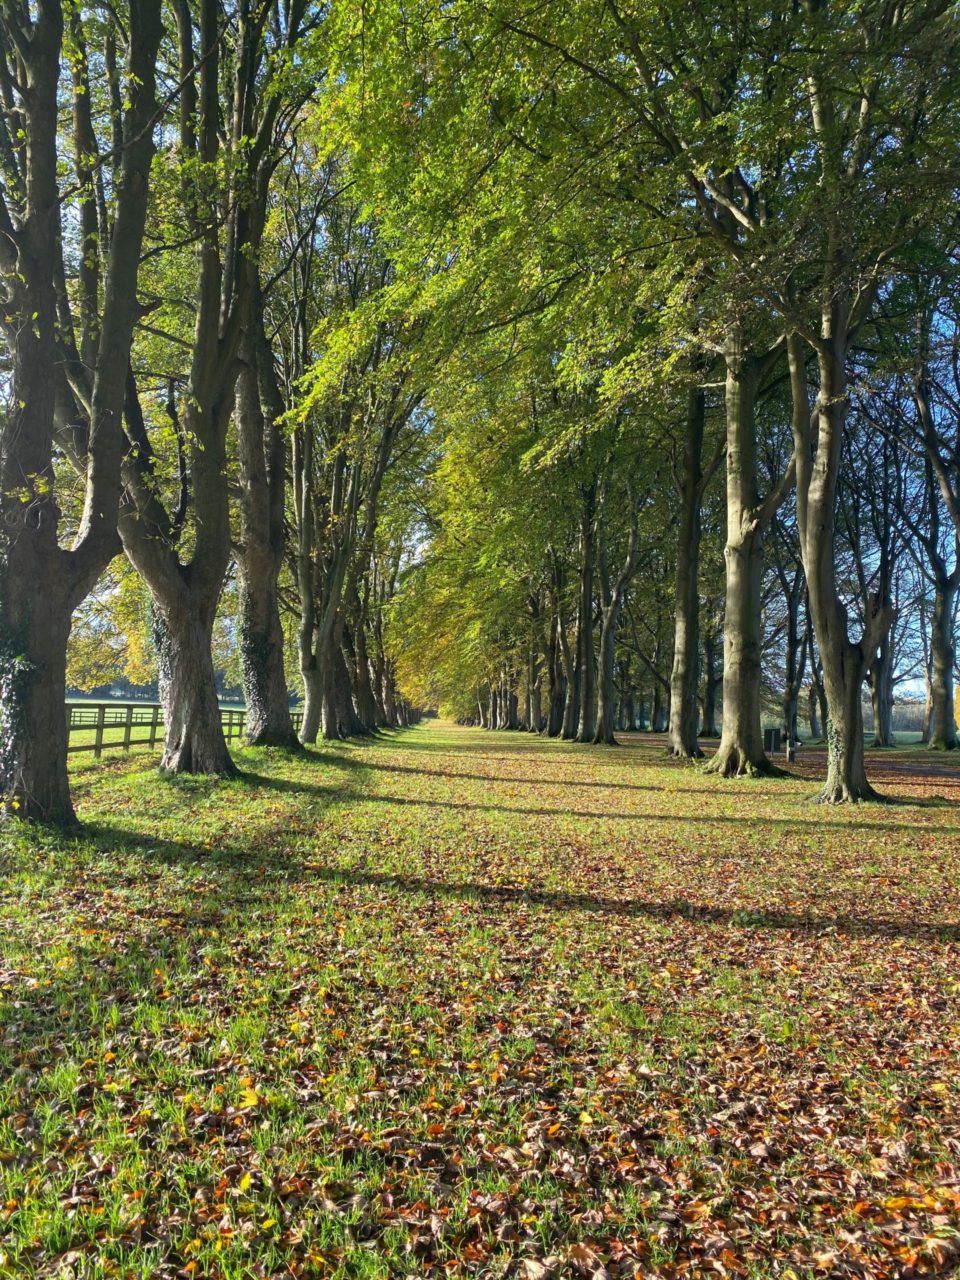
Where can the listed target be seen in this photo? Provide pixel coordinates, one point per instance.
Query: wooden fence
(112, 726)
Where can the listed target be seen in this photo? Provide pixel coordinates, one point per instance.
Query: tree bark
(613, 600)
(881, 695)
(193, 731)
(587, 723)
(711, 682)
(812, 705)
(844, 663)
(262, 470)
(943, 728)
(41, 583)
(684, 677)
(741, 743)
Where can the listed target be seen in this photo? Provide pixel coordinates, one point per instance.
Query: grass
(459, 1003)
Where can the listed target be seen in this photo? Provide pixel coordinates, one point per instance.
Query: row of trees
(427, 332)
(755, 201)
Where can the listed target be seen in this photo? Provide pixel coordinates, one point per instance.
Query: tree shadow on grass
(248, 875)
(601, 815)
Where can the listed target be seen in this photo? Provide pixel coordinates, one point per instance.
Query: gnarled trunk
(193, 729)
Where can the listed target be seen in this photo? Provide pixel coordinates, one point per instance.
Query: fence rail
(113, 725)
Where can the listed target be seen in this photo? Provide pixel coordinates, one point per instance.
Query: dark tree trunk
(613, 601)
(261, 459)
(813, 703)
(711, 682)
(943, 728)
(586, 659)
(881, 695)
(684, 678)
(40, 583)
(571, 703)
(796, 649)
(367, 709)
(557, 682)
(33, 726)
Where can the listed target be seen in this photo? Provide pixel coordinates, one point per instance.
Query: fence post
(98, 740)
(127, 726)
(153, 725)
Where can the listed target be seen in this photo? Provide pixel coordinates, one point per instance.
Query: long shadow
(529, 782)
(577, 783)
(244, 865)
(663, 819)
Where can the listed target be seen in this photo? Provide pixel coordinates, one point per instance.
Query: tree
(41, 581)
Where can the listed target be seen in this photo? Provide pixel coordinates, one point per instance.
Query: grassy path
(458, 1003)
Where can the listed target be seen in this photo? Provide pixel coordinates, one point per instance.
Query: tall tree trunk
(684, 677)
(711, 682)
(571, 704)
(813, 703)
(261, 459)
(587, 723)
(881, 695)
(613, 601)
(943, 728)
(41, 583)
(844, 662)
(741, 743)
(557, 689)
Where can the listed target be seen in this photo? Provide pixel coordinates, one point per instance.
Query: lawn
(460, 1003)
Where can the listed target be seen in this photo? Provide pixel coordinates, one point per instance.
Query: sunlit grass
(450, 1002)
